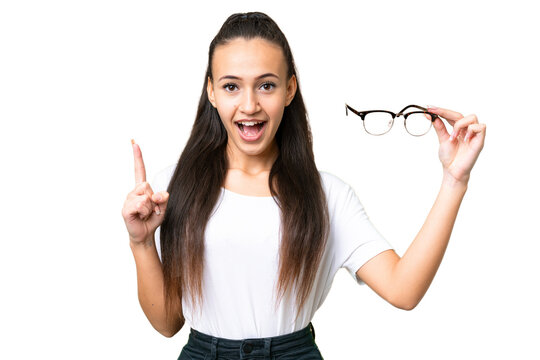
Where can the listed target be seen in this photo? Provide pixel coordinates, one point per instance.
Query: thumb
(161, 199)
(440, 128)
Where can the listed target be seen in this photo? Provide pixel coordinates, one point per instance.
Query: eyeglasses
(379, 122)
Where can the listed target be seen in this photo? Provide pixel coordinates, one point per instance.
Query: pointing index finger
(140, 171)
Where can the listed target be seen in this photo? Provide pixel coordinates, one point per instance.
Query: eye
(229, 87)
(268, 85)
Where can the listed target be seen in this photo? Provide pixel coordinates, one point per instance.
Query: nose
(249, 103)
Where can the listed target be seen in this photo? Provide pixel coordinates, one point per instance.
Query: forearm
(414, 272)
(150, 287)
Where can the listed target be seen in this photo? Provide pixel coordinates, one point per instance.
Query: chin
(252, 149)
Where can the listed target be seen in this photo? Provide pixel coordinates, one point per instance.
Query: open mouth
(251, 130)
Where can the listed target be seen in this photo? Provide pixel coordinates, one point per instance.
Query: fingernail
(432, 107)
(452, 136)
(466, 137)
(132, 141)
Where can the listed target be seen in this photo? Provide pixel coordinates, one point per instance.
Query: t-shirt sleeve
(356, 238)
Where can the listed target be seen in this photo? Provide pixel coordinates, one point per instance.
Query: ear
(291, 89)
(210, 91)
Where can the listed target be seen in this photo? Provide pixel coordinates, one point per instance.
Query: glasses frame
(362, 115)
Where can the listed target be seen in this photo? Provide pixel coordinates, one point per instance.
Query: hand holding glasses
(458, 155)
(379, 122)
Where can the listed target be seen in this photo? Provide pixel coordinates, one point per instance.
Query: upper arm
(378, 272)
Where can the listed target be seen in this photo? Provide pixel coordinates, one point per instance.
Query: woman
(246, 201)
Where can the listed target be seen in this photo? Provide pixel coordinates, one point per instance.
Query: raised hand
(458, 152)
(143, 210)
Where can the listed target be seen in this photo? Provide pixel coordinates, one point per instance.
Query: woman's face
(250, 90)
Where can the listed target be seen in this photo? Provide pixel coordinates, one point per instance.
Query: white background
(79, 79)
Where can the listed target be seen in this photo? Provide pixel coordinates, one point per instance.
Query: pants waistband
(252, 347)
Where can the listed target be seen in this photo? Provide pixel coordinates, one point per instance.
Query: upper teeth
(250, 123)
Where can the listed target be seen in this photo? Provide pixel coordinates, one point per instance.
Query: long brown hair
(196, 184)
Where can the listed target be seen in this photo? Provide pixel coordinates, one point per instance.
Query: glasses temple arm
(409, 106)
(347, 108)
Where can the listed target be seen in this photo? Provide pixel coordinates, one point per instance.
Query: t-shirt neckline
(245, 196)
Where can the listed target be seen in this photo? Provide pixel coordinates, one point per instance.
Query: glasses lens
(377, 123)
(417, 123)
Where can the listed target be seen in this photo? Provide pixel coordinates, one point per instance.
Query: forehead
(248, 58)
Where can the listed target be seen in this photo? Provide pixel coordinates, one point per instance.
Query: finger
(140, 171)
(463, 124)
(447, 114)
(138, 206)
(161, 198)
(143, 188)
(474, 129)
(144, 206)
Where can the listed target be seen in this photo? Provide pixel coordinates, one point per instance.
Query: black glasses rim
(400, 113)
(362, 114)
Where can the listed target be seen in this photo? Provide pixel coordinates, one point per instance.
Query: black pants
(299, 345)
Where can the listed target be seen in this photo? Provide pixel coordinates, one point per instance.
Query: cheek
(276, 111)
(274, 107)
(225, 110)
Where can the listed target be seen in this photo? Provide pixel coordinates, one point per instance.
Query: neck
(252, 164)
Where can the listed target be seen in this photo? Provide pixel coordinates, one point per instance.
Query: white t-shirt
(241, 261)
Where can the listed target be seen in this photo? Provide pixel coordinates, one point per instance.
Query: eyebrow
(238, 78)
